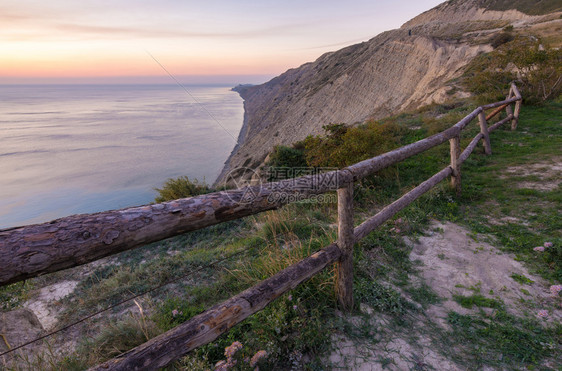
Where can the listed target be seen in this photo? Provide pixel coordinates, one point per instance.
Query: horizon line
(211, 79)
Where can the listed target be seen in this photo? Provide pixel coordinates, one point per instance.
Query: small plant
(119, 337)
(500, 39)
(181, 187)
(424, 295)
(12, 296)
(521, 279)
(478, 300)
(234, 357)
(381, 298)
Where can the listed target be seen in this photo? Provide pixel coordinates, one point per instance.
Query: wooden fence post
(516, 115)
(455, 164)
(484, 131)
(508, 109)
(513, 90)
(346, 240)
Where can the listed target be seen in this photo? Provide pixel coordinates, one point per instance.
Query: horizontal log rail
(496, 111)
(471, 146)
(206, 327)
(389, 211)
(33, 250)
(501, 122)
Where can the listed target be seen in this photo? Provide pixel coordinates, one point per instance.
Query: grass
(521, 279)
(492, 193)
(501, 340)
(528, 7)
(477, 300)
(12, 296)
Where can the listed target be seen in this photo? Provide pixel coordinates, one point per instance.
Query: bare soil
(451, 260)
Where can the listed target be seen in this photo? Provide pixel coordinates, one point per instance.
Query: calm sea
(70, 149)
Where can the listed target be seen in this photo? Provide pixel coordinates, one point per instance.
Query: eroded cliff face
(396, 70)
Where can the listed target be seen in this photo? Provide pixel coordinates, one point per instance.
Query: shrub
(180, 188)
(500, 39)
(536, 67)
(283, 156)
(285, 162)
(343, 146)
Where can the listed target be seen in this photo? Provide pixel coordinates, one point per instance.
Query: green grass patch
(502, 341)
(521, 279)
(477, 300)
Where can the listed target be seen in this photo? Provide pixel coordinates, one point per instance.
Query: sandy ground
(450, 260)
(454, 261)
(548, 173)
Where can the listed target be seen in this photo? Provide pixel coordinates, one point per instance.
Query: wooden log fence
(33, 250)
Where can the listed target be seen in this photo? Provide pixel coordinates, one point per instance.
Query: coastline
(240, 89)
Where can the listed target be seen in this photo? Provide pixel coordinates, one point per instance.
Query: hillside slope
(394, 71)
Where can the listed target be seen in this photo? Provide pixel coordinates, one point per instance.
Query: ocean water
(71, 149)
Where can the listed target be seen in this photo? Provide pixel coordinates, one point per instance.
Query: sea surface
(72, 149)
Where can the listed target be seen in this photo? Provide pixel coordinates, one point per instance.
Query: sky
(137, 41)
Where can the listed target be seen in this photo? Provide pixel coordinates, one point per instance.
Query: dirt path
(451, 261)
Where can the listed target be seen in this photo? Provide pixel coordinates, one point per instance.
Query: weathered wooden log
(346, 240)
(516, 111)
(508, 110)
(455, 151)
(517, 108)
(389, 211)
(33, 250)
(468, 150)
(496, 111)
(500, 103)
(500, 123)
(206, 327)
(515, 90)
(485, 133)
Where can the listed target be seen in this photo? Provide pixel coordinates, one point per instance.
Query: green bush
(343, 146)
(500, 39)
(283, 156)
(285, 162)
(537, 68)
(180, 188)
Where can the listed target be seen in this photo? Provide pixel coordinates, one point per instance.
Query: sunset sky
(111, 41)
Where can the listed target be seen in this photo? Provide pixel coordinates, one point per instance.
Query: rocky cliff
(394, 71)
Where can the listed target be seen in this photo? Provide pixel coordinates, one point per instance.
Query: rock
(45, 304)
(17, 327)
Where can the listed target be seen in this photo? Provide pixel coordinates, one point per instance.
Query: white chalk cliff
(394, 71)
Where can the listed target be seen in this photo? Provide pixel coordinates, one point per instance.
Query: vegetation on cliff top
(535, 66)
(531, 7)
